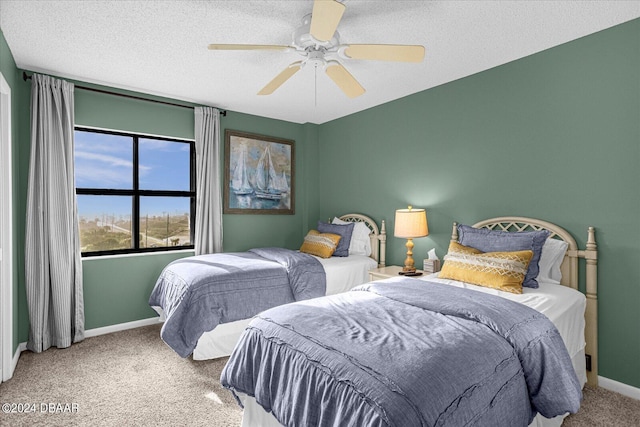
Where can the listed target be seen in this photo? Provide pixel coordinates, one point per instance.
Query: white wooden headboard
(378, 236)
(569, 270)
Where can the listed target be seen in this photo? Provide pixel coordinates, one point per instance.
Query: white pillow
(360, 240)
(551, 257)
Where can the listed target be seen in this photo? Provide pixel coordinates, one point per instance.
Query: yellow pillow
(499, 270)
(320, 244)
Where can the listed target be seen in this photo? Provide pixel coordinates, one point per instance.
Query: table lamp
(410, 223)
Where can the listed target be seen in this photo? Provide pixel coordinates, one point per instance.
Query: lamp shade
(411, 223)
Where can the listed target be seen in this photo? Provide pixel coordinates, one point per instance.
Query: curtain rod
(26, 77)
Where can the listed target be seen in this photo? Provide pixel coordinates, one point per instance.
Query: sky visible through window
(108, 219)
(105, 161)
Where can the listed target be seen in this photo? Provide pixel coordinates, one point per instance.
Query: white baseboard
(14, 362)
(121, 327)
(619, 387)
(94, 333)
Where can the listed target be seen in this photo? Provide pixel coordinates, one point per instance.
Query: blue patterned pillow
(486, 240)
(345, 231)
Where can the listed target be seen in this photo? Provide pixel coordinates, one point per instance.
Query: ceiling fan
(319, 43)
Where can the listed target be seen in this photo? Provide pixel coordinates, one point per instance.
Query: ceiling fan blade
(281, 78)
(325, 18)
(386, 52)
(247, 47)
(344, 79)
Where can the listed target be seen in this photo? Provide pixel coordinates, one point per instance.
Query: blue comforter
(404, 352)
(198, 293)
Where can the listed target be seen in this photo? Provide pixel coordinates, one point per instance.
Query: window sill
(100, 257)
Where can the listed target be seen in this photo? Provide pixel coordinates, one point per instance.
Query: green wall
(554, 136)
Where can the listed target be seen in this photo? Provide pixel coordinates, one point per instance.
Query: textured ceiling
(160, 47)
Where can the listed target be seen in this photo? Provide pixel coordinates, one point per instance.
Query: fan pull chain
(315, 86)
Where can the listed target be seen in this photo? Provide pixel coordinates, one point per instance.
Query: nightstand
(388, 272)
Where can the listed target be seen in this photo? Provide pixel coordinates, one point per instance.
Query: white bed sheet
(562, 305)
(343, 274)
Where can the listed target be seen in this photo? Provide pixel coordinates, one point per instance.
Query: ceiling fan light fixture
(315, 58)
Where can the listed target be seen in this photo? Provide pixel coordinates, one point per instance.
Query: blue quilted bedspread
(200, 292)
(404, 352)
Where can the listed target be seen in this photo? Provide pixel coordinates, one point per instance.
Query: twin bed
(414, 351)
(190, 289)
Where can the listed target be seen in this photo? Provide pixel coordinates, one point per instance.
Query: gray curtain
(53, 266)
(208, 232)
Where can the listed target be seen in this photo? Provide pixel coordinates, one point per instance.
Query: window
(135, 193)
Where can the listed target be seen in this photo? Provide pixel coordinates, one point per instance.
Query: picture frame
(259, 174)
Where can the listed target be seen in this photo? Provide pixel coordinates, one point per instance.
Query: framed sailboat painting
(258, 174)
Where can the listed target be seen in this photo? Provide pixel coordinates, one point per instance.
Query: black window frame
(135, 193)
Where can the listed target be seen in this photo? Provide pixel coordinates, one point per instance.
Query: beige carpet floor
(132, 378)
